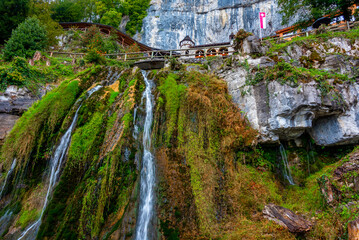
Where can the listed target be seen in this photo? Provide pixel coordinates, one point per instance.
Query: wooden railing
(156, 54)
(162, 54)
(343, 26)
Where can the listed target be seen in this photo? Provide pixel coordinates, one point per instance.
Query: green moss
(36, 131)
(127, 120)
(83, 138)
(112, 98)
(27, 217)
(173, 93)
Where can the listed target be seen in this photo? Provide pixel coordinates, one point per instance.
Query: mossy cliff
(213, 178)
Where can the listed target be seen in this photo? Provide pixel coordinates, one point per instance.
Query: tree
(67, 11)
(26, 39)
(12, 12)
(111, 18)
(41, 9)
(314, 9)
(137, 11)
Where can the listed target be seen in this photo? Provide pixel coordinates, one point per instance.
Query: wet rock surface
(286, 218)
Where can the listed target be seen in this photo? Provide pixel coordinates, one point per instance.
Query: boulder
(252, 45)
(286, 218)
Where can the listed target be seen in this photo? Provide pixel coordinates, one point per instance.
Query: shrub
(26, 39)
(94, 39)
(240, 36)
(95, 56)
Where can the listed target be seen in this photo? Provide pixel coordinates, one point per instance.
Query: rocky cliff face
(205, 21)
(285, 110)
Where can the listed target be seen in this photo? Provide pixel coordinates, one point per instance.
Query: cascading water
(286, 170)
(55, 165)
(13, 165)
(148, 170)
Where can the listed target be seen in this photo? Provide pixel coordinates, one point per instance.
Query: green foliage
(95, 56)
(137, 11)
(316, 8)
(67, 11)
(26, 39)
(12, 13)
(173, 93)
(41, 9)
(20, 73)
(93, 41)
(112, 18)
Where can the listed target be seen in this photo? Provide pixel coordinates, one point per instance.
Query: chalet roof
(187, 38)
(122, 37)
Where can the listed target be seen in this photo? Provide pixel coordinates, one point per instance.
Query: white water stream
(55, 165)
(286, 170)
(147, 182)
(13, 165)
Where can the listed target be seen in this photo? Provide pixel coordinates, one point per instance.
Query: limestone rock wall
(205, 21)
(283, 112)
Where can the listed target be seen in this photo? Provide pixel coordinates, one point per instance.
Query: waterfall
(286, 170)
(147, 181)
(55, 165)
(8, 175)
